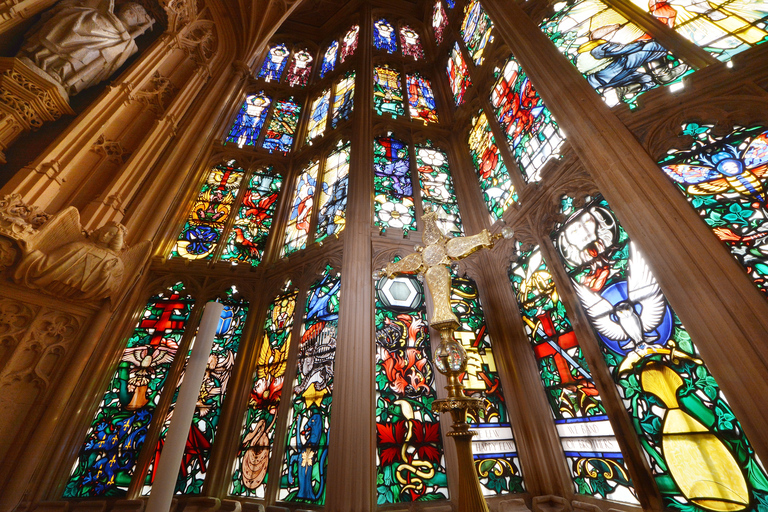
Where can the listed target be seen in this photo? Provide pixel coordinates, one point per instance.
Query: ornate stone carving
(18, 219)
(158, 94)
(112, 150)
(199, 41)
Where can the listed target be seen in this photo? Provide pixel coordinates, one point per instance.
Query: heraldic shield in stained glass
(250, 119)
(387, 92)
(392, 186)
(696, 449)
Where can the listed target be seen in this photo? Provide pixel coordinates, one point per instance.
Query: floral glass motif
(410, 43)
(392, 187)
(697, 451)
(494, 447)
(343, 100)
(384, 36)
(250, 119)
(421, 101)
(476, 30)
(248, 236)
(724, 181)
(249, 478)
(437, 190)
(202, 231)
(306, 455)
(282, 126)
(458, 75)
(297, 229)
(274, 63)
(331, 216)
(495, 182)
(349, 43)
(107, 460)
(616, 56)
(410, 465)
(300, 69)
(329, 58)
(723, 28)
(202, 431)
(439, 21)
(532, 133)
(594, 456)
(318, 117)
(387, 92)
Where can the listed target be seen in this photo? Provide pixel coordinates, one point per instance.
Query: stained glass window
(616, 57)
(107, 460)
(297, 228)
(409, 458)
(258, 436)
(250, 119)
(300, 69)
(318, 117)
(331, 216)
(494, 447)
(437, 190)
(724, 180)
(306, 455)
(282, 126)
(532, 133)
(384, 36)
(274, 63)
(392, 187)
(202, 231)
(497, 187)
(594, 457)
(213, 389)
(329, 59)
(695, 446)
(458, 75)
(410, 43)
(349, 43)
(343, 100)
(387, 92)
(420, 99)
(476, 30)
(439, 21)
(251, 226)
(451, 3)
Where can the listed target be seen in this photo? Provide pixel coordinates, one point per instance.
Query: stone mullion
(686, 259)
(418, 203)
(474, 211)
(276, 239)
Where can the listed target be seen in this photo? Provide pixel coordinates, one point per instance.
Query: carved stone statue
(79, 43)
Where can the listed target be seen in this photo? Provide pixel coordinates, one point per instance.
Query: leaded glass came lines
(297, 228)
(437, 190)
(331, 217)
(421, 101)
(319, 115)
(410, 43)
(329, 58)
(384, 36)
(300, 69)
(343, 100)
(282, 126)
(458, 75)
(250, 119)
(349, 43)
(498, 191)
(387, 92)
(439, 21)
(476, 30)
(392, 187)
(274, 63)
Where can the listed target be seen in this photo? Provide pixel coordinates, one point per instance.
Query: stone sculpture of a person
(79, 43)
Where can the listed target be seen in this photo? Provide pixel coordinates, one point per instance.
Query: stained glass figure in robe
(409, 457)
(392, 187)
(437, 190)
(458, 75)
(249, 478)
(349, 43)
(495, 182)
(107, 460)
(318, 117)
(250, 119)
(297, 228)
(306, 455)
(343, 100)
(532, 133)
(387, 92)
(331, 217)
(384, 36)
(202, 431)
(439, 21)
(421, 101)
(724, 179)
(494, 448)
(476, 30)
(282, 126)
(248, 236)
(329, 58)
(202, 231)
(300, 69)
(593, 454)
(696, 449)
(410, 43)
(274, 63)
